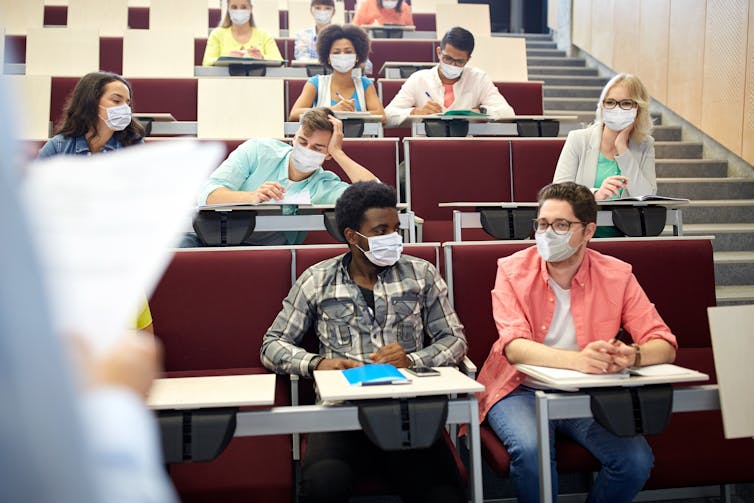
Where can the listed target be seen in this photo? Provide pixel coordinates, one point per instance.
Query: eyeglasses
(451, 61)
(624, 104)
(559, 226)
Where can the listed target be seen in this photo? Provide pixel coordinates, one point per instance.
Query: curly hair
(357, 199)
(226, 22)
(578, 196)
(638, 93)
(398, 8)
(335, 32)
(81, 112)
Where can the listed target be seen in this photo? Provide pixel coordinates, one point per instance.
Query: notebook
(376, 373)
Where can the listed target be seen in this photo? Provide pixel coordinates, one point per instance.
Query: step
(573, 104)
(722, 213)
(563, 71)
(540, 44)
(734, 268)
(551, 79)
(667, 133)
(528, 36)
(545, 53)
(707, 188)
(535, 61)
(678, 150)
(690, 168)
(734, 294)
(592, 92)
(728, 237)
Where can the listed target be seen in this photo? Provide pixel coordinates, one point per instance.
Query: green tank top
(605, 168)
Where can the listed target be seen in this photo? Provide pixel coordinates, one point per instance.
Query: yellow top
(221, 42)
(144, 319)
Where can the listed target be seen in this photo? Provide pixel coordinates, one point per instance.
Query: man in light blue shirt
(263, 169)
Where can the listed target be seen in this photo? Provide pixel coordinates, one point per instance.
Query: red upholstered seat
(400, 50)
(524, 97)
(533, 162)
(443, 170)
(425, 21)
(138, 18)
(55, 15)
(200, 44)
(210, 310)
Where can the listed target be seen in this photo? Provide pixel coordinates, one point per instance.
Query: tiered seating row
(216, 333)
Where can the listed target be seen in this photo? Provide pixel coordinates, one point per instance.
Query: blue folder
(376, 373)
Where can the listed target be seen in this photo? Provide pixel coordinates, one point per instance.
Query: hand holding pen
(344, 104)
(622, 355)
(429, 108)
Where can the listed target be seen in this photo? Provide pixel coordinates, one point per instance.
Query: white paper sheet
(106, 225)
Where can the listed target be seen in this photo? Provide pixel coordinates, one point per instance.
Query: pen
(426, 93)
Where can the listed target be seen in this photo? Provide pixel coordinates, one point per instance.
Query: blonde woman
(614, 156)
(238, 36)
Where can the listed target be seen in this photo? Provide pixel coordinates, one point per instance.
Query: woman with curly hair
(97, 118)
(341, 49)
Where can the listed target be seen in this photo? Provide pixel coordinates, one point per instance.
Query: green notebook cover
(464, 113)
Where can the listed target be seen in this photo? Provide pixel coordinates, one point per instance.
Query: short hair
(638, 93)
(398, 7)
(328, 36)
(316, 119)
(460, 38)
(81, 111)
(326, 3)
(357, 199)
(226, 22)
(578, 196)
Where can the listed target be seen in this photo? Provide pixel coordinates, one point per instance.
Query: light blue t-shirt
(365, 81)
(262, 160)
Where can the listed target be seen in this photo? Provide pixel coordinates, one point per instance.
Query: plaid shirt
(411, 302)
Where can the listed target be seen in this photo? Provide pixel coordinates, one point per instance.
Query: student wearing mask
(372, 292)
(383, 12)
(238, 36)
(615, 156)
(451, 85)
(341, 49)
(262, 169)
(306, 39)
(96, 118)
(560, 304)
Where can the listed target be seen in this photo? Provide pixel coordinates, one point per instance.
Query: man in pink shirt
(560, 304)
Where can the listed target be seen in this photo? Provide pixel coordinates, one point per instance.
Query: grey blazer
(578, 162)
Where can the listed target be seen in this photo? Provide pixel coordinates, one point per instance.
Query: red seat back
(533, 162)
(524, 97)
(390, 88)
(425, 21)
(400, 50)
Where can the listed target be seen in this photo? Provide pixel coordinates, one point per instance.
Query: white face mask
(306, 160)
(618, 119)
(239, 16)
(451, 72)
(322, 16)
(118, 117)
(389, 4)
(343, 62)
(384, 251)
(554, 247)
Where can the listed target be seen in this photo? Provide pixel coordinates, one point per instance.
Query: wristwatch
(313, 363)
(637, 355)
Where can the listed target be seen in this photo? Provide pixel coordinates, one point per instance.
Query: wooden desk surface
(214, 391)
(333, 386)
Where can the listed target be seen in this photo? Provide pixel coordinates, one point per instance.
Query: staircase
(722, 206)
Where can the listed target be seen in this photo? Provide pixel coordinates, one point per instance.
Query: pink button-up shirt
(604, 296)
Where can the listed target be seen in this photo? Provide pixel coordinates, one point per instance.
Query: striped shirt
(411, 306)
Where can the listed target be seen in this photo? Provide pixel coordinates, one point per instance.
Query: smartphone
(423, 371)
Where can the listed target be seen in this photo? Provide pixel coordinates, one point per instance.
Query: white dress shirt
(472, 90)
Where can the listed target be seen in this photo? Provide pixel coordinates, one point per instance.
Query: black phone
(423, 371)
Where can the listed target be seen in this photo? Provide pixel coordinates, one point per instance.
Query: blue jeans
(626, 461)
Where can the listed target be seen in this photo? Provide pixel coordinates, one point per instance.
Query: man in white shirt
(451, 85)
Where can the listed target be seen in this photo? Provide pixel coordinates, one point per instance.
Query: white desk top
(514, 204)
(333, 386)
(156, 117)
(477, 118)
(389, 27)
(214, 391)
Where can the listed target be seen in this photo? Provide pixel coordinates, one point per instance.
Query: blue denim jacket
(73, 145)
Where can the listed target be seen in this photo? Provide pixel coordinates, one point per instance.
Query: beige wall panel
(653, 42)
(552, 14)
(602, 31)
(582, 24)
(626, 28)
(503, 58)
(32, 96)
(725, 71)
(191, 15)
(748, 129)
(428, 6)
(221, 115)
(61, 52)
(110, 17)
(17, 16)
(266, 16)
(158, 53)
(686, 58)
(473, 17)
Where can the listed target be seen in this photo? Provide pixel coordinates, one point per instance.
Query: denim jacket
(73, 145)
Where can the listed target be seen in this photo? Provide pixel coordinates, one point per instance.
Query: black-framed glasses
(624, 104)
(452, 61)
(559, 226)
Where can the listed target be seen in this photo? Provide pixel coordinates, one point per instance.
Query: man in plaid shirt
(371, 305)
